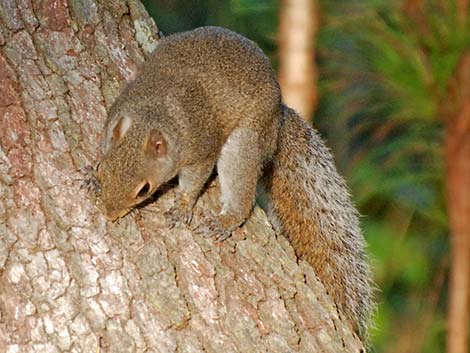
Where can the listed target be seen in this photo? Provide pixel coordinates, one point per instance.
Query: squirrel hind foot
(217, 227)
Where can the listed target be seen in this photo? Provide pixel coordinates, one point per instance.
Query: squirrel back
(310, 204)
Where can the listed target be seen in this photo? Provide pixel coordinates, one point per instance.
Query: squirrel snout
(115, 210)
(113, 215)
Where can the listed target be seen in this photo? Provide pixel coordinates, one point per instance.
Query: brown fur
(310, 204)
(210, 96)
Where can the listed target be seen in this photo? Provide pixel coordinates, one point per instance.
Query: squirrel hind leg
(238, 168)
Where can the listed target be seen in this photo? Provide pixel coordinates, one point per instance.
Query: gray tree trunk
(72, 282)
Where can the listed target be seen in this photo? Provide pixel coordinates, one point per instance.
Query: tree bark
(457, 153)
(297, 69)
(72, 282)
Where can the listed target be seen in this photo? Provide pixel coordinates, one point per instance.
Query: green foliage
(414, 57)
(384, 76)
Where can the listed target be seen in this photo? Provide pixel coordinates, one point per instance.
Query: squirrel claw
(90, 181)
(181, 213)
(223, 235)
(212, 227)
(178, 216)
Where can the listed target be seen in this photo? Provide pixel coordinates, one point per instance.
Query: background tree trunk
(297, 69)
(72, 282)
(457, 153)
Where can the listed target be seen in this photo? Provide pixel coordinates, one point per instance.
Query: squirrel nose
(114, 215)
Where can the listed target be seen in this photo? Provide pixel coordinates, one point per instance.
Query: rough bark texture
(297, 69)
(72, 282)
(457, 153)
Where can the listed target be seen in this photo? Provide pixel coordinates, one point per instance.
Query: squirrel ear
(121, 128)
(156, 143)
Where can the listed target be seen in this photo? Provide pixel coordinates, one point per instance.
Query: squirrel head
(137, 161)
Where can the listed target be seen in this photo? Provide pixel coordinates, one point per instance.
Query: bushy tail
(310, 203)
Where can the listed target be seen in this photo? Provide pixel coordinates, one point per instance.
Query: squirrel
(210, 98)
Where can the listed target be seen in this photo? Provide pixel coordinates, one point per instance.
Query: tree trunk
(69, 280)
(457, 153)
(297, 69)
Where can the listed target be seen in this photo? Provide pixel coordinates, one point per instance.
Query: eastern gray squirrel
(209, 97)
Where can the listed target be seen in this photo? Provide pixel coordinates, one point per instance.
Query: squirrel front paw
(180, 214)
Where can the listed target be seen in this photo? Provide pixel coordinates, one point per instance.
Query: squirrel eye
(143, 190)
